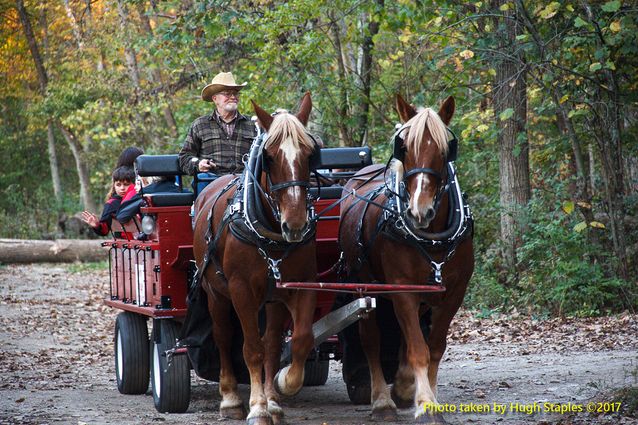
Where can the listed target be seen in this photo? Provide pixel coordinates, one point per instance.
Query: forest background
(546, 96)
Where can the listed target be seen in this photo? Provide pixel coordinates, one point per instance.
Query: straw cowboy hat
(221, 82)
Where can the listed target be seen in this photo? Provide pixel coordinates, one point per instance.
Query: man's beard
(230, 107)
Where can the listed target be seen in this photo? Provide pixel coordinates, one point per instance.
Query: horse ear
(405, 110)
(447, 110)
(304, 109)
(264, 117)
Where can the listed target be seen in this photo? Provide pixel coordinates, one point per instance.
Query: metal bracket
(334, 322)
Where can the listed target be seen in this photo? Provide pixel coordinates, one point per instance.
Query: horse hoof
(236, 412)
(435, 419)
(277, 384)
(259, 420)
(278, 420)
(358, 387)
(402, 403)
(386, 414)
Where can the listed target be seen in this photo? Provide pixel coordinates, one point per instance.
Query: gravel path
(56, 364)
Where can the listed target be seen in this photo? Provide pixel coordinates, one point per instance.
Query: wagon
(151, 266)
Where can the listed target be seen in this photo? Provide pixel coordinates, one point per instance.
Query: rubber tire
(171, 387)
(316, 373)
(131, 353)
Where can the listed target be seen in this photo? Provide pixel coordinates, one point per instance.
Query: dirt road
(56, 365)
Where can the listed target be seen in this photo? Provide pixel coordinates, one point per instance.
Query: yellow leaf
(481, 128)
(615, 26)
(584, 204)
(568, 207)
(505, 7)
(597, 225)
(563, 99)
(466, 54)
(404, 38)
(580, 227)
(570, 8)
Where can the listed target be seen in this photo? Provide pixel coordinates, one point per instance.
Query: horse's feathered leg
(276, 314)
(403, 388)
(247, 307)
(406, 308)
(289, 380)
(383, 408)
(231, 405)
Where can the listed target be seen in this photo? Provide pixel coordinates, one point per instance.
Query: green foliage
(423, 50)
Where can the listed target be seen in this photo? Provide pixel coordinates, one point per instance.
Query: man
(216, 143)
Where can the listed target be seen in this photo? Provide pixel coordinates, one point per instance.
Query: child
(123, 177)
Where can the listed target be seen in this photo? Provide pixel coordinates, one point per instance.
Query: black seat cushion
(171, 199)
(330, 192)
(158, 165)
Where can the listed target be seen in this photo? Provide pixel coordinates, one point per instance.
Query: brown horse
(401, 235)
(244, 252)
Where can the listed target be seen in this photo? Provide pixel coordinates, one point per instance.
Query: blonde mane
(287, 129)
(426, 119)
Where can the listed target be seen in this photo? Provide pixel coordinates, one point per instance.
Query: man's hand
(90, 219)
(206, 165)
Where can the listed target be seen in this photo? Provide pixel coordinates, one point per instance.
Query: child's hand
(90, 219)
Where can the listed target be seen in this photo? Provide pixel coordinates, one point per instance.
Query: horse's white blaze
(422, 183)
(291, 151)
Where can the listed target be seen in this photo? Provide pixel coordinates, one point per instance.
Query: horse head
(424, 157)
(287, 155)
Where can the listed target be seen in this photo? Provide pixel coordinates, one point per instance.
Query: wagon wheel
(316, 373)
(131, 353)
(170, 384)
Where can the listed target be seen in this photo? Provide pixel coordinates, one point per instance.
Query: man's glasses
(229, 94)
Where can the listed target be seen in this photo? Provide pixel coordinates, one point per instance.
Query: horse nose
(429, 214)
(293, 235)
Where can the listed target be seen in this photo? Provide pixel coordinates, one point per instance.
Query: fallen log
(57, 251)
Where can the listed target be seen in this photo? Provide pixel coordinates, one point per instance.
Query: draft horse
(249, 231)
(410, 225)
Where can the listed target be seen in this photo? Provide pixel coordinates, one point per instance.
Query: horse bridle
(272, 188)
(401, 191)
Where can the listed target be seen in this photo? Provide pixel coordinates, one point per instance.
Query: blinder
(398, 147)
(313, 160)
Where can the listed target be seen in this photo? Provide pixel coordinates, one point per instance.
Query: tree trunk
(74, 25)
(345, 137)
(129, 52)
(82, 169)
(43, 80)
(53, 164)
(510, 109)
(365, 74)
(157, 78)
(59, 251)
(607, 126)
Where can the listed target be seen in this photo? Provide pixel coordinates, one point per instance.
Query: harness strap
(211, 253)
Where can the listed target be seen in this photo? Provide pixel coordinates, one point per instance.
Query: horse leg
(289, 380)
(247, 308)
(441, 319)
(231, 405)
(383, 408)
(403, 388)
(276, 315)
(406, 307)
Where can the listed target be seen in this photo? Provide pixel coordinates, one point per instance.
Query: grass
(88, 267)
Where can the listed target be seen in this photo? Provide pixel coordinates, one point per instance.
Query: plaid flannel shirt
(206, 139)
